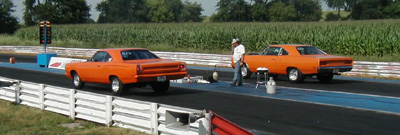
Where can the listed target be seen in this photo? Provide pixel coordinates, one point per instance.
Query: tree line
(161, 11)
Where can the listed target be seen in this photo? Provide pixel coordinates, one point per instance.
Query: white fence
(382, 69)
(112, 111)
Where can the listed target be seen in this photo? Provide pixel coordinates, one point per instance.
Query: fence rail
(381, 69)
(109, 110)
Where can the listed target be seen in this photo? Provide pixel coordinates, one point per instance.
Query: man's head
(235, 41)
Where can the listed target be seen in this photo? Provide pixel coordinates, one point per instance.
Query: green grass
(24, 120)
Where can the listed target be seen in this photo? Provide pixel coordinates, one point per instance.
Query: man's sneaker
(233, 84)
(240, 84)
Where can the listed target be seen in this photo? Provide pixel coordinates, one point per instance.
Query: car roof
(282, 45)
(121, 49)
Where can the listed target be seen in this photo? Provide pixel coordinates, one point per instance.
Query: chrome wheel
(115, 85)
(293, 74)
(246, 73)
(77, 80)
(244, 70)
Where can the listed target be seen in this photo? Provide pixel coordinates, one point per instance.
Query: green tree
(370, 9)
(191, 12)
(231, 10)
(340, 4)
(159, 11)
(8, 23)
(126, 11)
(56, 11)
(259, 11)
(279, 12)
(307, 10)
(176, 7)
(392, 11)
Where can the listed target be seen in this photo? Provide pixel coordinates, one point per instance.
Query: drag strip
(259, 114)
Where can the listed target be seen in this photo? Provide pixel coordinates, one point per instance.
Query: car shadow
(145, 91)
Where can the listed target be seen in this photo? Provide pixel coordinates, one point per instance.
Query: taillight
(348, 62)
(138, 69)
(182, 66)
(323, 63)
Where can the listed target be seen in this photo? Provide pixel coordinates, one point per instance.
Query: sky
(209, 7)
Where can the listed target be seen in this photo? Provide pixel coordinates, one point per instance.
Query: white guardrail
(382, 69)
(109, 110)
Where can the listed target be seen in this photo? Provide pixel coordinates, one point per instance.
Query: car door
(269, 58)
(93, 70)
(281, 61)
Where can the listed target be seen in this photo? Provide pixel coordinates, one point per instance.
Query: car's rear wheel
(246, 73)
(325, 78)
(78, 84)
(160, 87)
(117, 86)
(295, 75)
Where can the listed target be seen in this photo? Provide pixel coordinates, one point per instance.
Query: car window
(284, 52)
(309, 50)
(101, 57)
(137, 55)
(272, 51)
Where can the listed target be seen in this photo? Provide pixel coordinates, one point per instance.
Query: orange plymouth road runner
(297, 62)
(124, 68)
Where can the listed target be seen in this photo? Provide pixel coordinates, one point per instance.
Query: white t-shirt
(238, 52)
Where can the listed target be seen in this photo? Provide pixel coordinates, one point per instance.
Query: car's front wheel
(78, 84)
(117, 86)
(160, 87)
(295, 75)
(246, 73)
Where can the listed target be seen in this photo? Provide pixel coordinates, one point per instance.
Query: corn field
(365, 38)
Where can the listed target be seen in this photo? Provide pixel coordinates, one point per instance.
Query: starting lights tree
(45, 33)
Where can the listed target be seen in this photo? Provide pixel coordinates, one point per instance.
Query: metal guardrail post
(205, 124)
(41, 96)
(109, 109)
(72, 104)
(154, 118)
(17, 92)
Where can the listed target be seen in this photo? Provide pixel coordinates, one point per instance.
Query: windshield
(309, 50)
(137, 55)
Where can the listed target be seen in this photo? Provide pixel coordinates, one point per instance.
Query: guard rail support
(17, 92)
(41, 96)
(109, 109)
(154, 118)
(72, 101)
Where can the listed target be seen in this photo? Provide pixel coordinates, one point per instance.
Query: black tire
(295, 75)
(325, 78)
(76, 81)
(160, 87)
(117, 87)
(246, 73)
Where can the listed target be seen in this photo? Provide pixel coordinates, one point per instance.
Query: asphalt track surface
(258, 114)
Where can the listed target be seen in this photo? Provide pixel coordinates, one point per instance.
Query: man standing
(238, 51)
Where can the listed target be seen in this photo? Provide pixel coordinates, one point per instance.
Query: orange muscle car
(126, 67)
(297, 62)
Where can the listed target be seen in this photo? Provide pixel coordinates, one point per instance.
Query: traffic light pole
(45, 38)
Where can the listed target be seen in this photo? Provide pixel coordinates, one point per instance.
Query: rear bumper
(334, 70)
(153, 77)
